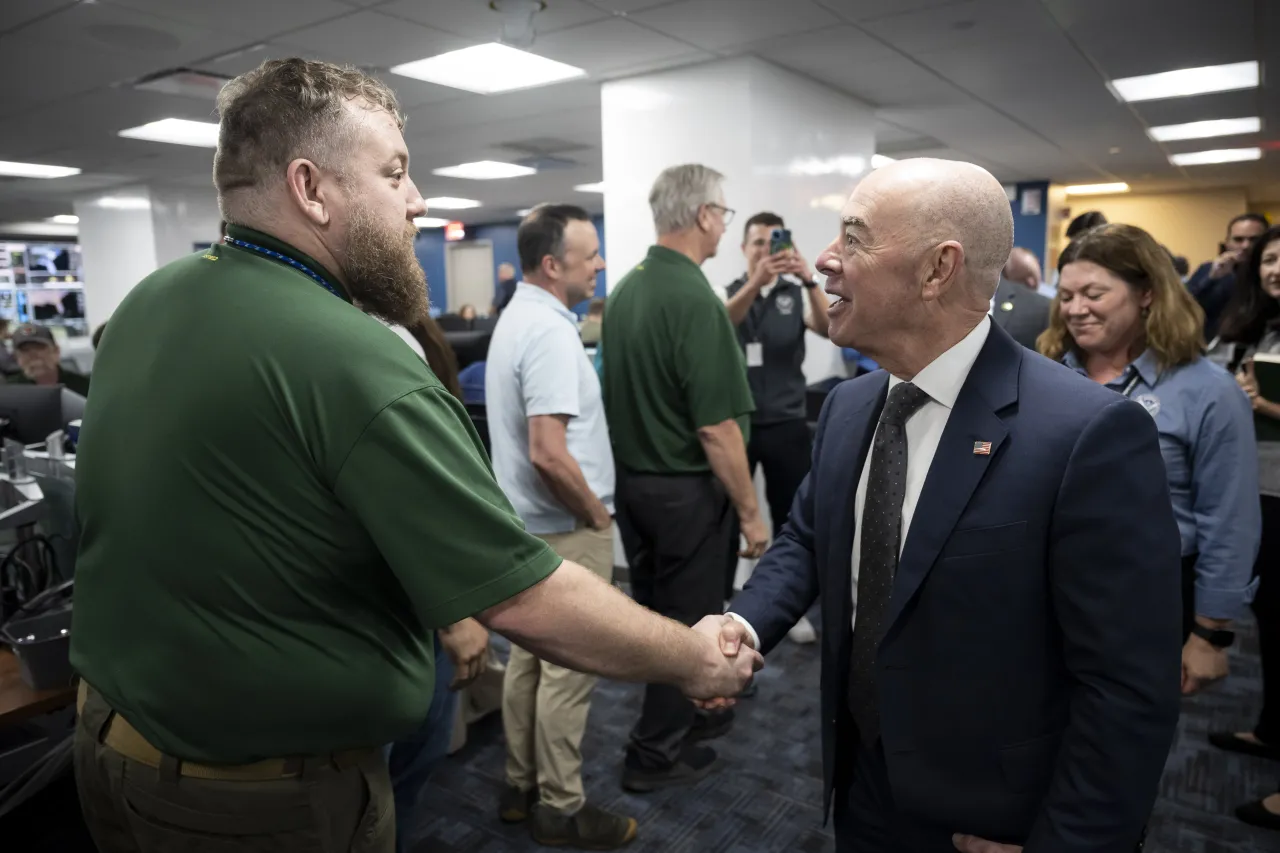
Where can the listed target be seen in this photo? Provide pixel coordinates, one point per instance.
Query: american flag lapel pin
(982, 448)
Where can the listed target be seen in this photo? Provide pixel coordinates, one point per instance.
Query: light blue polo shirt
(1207, 441)
(537, 365)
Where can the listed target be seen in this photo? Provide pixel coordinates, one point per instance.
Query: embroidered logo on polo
(1150, 402)
(786, 303)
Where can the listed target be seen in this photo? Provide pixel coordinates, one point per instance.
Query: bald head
(928, 202)
(1023, 267)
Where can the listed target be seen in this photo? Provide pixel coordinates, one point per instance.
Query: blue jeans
(412, 759)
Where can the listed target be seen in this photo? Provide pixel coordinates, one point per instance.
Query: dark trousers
(1188, 594)
(784, 451)
(412, 759)
(1266, 606)
(675, 531)
(866, 819)
(133, 808)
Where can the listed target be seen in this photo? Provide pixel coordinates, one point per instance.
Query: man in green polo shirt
(279, 502)
(678, 404)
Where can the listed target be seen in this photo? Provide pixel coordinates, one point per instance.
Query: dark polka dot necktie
(878, 553)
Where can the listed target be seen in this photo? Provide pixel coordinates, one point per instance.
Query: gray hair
(679, 192)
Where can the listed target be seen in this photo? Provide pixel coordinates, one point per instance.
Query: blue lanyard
(300, 267)
(1133, 383)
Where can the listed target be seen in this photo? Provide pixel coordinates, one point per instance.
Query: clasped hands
(729, 663)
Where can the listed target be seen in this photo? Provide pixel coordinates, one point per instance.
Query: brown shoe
(590, 828)
(515, 805)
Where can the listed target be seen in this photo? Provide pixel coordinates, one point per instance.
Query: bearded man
(280, 504)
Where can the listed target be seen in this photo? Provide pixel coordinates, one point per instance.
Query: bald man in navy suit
(992, 541)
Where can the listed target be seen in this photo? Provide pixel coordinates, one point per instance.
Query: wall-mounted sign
(454, 232)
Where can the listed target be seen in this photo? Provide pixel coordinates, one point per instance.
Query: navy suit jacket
(1030, 668)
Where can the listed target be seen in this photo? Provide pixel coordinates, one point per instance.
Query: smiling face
(869, 271)
(580, 261)
(1269, 269)
(1102, 311)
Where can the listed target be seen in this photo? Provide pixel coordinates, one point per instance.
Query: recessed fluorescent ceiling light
(488, 68)
(124, 202)
(430, 222)
(1221, 155)
(590, 188)
(64, 219)
(1187, 81)
(879, 160)
(445, 202)
(35, 170)
(179, 131)
(1096, 189)
(1205, 129)
(524, 212)
(484, 170)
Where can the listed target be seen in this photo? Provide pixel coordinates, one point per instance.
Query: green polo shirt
(278, 502)
(672, 365)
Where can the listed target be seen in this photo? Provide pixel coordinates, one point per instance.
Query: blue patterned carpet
(766, 797)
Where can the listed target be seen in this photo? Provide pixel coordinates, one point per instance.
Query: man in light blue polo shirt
(552, 457)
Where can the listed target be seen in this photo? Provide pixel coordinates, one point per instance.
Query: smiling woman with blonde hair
(1123, 319)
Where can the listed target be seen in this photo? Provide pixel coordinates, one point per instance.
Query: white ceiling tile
(1183, 33)
(869, 10)
(625, 6)
(475, 20)
(19, 12)
(251, 18)
(852, 61)
(992, 24)
(718, 24)
(372, 39)
(609, 45)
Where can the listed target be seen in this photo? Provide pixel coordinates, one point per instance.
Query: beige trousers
(544, 706)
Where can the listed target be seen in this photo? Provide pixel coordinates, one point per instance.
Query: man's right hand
(757, 536)
(769, 269)
(721, 675)
(732, 637)
(1224, 263)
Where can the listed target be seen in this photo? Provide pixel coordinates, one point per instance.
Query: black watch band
(810, 284)
(1213, 636)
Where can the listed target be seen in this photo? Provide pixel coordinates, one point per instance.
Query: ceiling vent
(185, 82)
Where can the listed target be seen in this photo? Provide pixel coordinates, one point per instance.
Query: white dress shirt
(942, 380)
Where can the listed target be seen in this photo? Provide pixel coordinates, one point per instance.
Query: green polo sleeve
(419, 481)
(713, 369)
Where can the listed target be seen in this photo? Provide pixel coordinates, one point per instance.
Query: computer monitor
(29, 413)
(469, 347)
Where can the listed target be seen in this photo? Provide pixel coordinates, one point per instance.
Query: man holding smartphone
(771, 307)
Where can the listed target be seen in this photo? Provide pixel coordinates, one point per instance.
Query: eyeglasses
(727, 211)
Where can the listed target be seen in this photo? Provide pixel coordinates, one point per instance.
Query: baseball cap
(29, 333)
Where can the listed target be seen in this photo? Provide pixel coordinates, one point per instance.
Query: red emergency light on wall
(455, 231)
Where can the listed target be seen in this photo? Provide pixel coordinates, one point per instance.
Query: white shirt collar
(943, 377)
(525, 290)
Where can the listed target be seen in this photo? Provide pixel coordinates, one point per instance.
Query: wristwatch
(1217, 638)
(810, 284)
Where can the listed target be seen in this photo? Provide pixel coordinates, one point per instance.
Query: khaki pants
(544, 706)
(131, 807)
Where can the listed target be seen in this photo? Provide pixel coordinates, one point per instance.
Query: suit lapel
(957, 470)
(1004, 294)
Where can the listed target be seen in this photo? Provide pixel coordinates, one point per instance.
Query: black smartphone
(780, 241)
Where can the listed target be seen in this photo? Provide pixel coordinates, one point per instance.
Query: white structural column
(785, 144)
(127, 233)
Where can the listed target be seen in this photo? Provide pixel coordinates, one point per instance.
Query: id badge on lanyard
(755, 354)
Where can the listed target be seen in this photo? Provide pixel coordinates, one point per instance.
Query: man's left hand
(800, 267)
(467, 644)
(1202, 664)
(974, 844)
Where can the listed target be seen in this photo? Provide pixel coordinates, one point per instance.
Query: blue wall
(430, 250)
(1029, 231)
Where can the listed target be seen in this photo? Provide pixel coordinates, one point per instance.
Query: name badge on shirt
(755, 354)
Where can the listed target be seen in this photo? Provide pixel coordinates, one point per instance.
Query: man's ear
(308, 190)
(942, 270)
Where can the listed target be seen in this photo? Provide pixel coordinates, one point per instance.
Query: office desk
(18, 702)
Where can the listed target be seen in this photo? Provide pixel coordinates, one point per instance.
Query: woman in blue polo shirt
(1123, 318)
